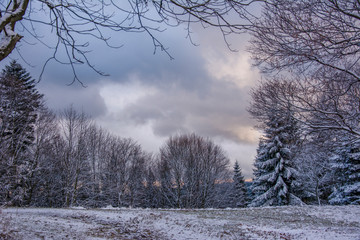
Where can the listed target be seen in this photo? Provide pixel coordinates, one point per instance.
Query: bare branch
(70, 21)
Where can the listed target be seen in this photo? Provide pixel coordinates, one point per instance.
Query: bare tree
(73, 128)
(314, 166)
(97, 140)
(123, 172)
(152, 195)
(189, 168)
(315, 44)
(330, 105)
(320, 105)
(39, 154)
(307, 35)
(74, 162)
(69, 21)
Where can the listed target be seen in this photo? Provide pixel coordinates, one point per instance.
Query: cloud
(151, 115)
(83, 99)
(220, 111)
(204, 90)
(211, 104)
(150, 97)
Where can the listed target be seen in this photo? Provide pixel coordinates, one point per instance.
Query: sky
(149, 97)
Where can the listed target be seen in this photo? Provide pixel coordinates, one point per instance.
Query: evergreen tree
(346, 164)
(275, 180)
(19, 104)
(238, 196)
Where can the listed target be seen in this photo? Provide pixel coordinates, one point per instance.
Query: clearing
(308, 222)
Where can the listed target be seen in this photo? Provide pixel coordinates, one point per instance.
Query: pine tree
(275, 174)
(19, 103)
(238, 196)
(347, 171)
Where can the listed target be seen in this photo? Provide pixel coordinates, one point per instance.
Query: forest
(306, 107)
(65, 159)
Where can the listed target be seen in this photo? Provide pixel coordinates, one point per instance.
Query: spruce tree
(19, 103)
(239, 192)
(275, 173)
(346, 164)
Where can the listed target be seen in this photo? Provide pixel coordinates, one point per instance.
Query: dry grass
(5, 232)
(327, 222)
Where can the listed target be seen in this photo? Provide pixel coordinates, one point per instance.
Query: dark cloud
(195, 92)
(135, 56)
(219, 111)
(83, 99)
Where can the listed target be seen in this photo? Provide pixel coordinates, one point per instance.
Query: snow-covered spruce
(275, 181)
(238, 195)
(20, 103)
(347, 171)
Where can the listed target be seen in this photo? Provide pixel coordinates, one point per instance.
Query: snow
(308, 222)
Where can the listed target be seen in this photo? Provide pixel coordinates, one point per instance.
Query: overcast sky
(148, 97)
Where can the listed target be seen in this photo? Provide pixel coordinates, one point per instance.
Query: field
(309, 222)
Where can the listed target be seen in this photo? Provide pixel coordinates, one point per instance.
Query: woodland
(307, 108)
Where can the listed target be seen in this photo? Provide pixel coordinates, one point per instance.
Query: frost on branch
(9, 38)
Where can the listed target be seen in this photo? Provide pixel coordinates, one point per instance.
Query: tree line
(65, 159)
(308, 104)
(307, 107)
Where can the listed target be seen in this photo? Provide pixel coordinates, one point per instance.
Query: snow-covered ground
(309, 222)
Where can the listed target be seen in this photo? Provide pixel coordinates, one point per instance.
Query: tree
(19, 105)
(20, 101)
(170, 193)
(315, 170)
(123, 173)
(239, 191)
(222, 196)
(190, 166)
(74, 162)
(69, 21)
(74, 157)
(314, 43)
(325, 33)
(276, 180)
(42, 180)
(152, 193)
(346, 163)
